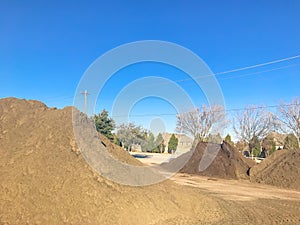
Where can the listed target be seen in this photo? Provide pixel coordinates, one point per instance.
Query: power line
(230, 77)
(240, 69)
(264, 71)
(58, 98)
(253, 66)
(236, 70)
(226, 78)
(260, 64)
(224, 110)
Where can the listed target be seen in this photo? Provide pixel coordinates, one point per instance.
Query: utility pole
(85, 94)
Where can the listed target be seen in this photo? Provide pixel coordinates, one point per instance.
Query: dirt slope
(281, 169)
(119, 153)
(45, 180)
(228, 163)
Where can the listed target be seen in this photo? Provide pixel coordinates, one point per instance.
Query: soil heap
(226, 162)
(45, 180)
(281, 169)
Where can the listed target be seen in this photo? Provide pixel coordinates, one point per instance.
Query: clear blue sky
(45, 46)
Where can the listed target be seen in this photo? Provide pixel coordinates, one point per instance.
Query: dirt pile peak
(279, 169)
(225, 161)
(44, 179)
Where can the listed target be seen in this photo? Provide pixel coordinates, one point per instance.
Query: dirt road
(246, 203)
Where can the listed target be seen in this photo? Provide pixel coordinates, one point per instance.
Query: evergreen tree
(254, 146)
(160, 143)
(149, 145)
(104, 124)
(173, 143)
(228, 140)
(273, 149)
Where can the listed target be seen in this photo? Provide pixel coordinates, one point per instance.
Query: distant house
(184, 142)
(136, 148)
(278, 139)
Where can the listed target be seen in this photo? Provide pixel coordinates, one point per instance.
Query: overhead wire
(58, 98)
(238, 69)
(223, 110)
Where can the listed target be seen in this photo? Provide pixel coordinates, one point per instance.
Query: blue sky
(46, 46)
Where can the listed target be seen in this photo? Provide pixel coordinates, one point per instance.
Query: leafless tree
(131, 134)
(200, 122)
(289, 115)
(254, 121)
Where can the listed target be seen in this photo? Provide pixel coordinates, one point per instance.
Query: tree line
(250, 126)
(131, 136)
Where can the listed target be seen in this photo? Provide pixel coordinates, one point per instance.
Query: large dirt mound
(45, 180)
(228, 163)
(281, 169)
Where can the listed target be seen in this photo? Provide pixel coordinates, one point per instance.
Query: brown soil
(45, 180)
(248, 203)
(118, 153)
(281, 169)
(228, 163)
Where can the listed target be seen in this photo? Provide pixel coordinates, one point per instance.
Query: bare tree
(253, 122)
(201, 122)
(131, 134)
(289, 116)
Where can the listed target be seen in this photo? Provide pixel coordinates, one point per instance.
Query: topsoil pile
(215, 160)
(45, 180)
(281, 169)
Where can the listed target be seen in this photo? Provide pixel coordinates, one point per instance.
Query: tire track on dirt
(282, 212)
